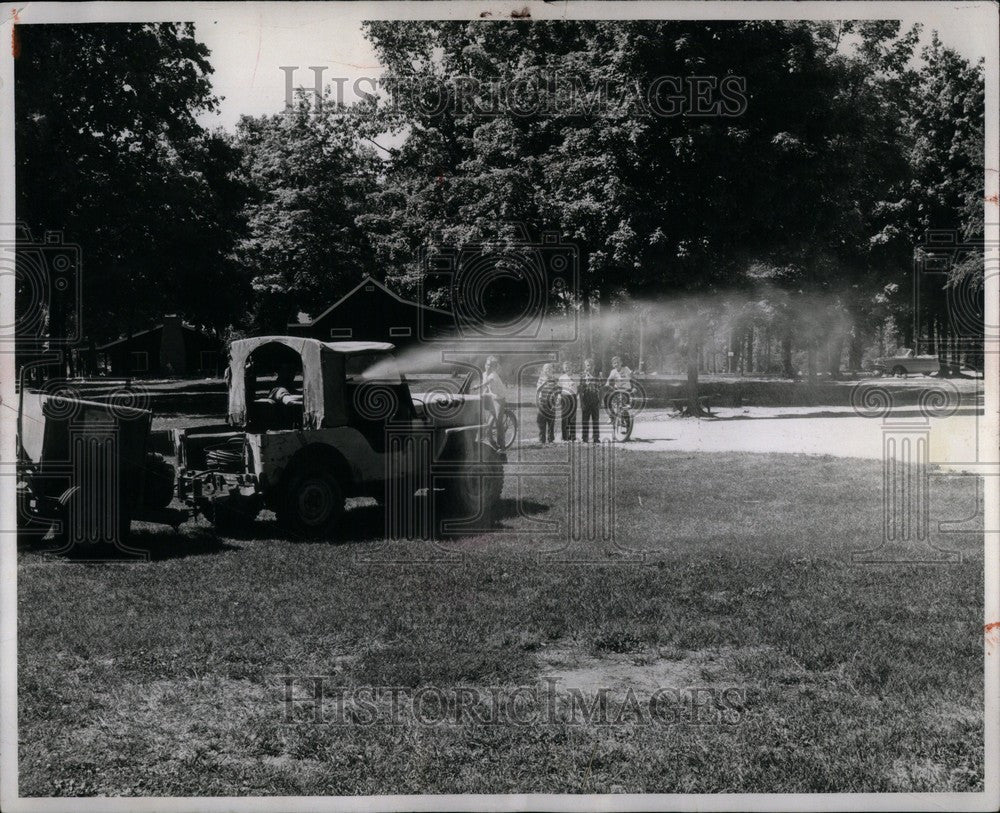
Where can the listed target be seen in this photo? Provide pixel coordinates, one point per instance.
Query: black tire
(311, 505)
(473, 493)
(899, 370)
(158, 483)
(234, 515)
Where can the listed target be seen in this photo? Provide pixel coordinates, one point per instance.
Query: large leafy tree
(657, 203)
(800, 198)
(944, 193)
(313, 178)
(110, 152)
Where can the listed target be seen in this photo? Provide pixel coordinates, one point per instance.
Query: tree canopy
(770, 175)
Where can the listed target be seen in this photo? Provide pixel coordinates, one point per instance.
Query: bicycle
(619, 404)
(510, 427)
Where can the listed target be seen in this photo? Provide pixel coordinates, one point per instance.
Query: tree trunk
(855, 352)
(786, 353)
(694, 408)
(811, 361)
(835, 352)
(694, 347)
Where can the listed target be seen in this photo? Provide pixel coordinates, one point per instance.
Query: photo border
(982, 15)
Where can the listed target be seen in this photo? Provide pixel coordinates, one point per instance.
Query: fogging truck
(354, 430)
(87, 468)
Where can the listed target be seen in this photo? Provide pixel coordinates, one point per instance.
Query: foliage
(811, 204)
(110, 152)
(303, 247)
(810, 199)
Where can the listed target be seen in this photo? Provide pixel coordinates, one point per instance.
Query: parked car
(906, 363)
(354, 431)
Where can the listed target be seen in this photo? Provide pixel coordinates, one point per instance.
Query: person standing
(494, 394)
(567, 402)
(589, 395)
(546, 398)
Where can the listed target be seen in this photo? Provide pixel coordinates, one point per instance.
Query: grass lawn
(816, 673)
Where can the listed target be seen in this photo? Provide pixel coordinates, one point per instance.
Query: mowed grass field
(171, 676)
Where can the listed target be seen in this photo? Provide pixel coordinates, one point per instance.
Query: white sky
(250, 42)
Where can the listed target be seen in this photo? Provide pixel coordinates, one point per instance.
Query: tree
(312, 179)
(110, 152)
(795, 204)
(945, 192)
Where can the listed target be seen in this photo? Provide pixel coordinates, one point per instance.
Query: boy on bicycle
(494, 393)
(568, 402)
(619, 383)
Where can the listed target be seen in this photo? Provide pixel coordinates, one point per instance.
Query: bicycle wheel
(509, 434)
(621, 427)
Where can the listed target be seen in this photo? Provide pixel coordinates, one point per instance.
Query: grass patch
(167, 677)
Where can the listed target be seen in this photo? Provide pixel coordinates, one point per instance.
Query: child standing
(589, 392)
(546, 399)
(567, 388)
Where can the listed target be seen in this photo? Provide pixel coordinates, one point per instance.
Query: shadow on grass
(512, 509)
(143, 545)
(362, 523)
(369, 523)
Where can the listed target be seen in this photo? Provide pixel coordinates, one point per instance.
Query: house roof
(367, 279)
(130, 336)
(184, 326)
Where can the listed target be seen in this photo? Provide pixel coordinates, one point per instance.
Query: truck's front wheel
(471, 495)
(312, 505)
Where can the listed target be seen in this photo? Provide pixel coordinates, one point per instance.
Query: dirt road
(838, 431)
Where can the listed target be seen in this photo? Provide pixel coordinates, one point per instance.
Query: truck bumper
(199, 489)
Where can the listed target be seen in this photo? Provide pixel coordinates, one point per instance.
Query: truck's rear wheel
(312, 505)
